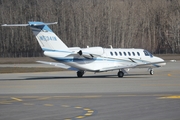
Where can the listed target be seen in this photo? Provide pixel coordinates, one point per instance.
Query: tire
(80, 74)
(151, 72)
(120, 74)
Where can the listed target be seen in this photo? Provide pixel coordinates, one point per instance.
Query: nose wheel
(151, 71)
(80, 74)
(120, 74)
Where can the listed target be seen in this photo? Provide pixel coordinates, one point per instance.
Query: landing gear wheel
(151, 72)
(80, 73)
(120, 74)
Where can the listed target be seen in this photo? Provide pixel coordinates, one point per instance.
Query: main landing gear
(80, 74)
(120, 74)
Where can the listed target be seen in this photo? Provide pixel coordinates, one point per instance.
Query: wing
(61, 65)
(116, 68)
(143, 63)
(132, 63)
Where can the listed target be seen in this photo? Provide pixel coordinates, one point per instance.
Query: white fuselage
(98, 59)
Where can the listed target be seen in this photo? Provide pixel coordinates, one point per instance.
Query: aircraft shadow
(75, 77)
(90, 76)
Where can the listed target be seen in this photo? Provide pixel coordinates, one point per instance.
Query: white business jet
(92, 59)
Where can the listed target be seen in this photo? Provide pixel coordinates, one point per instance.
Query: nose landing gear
(151, 71)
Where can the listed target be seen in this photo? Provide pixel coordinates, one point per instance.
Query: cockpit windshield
(147, 53)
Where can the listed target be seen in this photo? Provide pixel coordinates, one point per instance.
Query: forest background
(150, 24)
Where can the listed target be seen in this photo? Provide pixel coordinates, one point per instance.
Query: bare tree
(148, 24)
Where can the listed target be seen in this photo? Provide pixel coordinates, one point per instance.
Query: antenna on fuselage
(111, 46)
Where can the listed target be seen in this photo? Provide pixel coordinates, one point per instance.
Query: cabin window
(129, 53)
(138, 53)
(120, 53)
(133, 53)
(111, 53)
(116, 53)
(124, 53)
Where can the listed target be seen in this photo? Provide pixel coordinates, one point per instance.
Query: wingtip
(4, 25)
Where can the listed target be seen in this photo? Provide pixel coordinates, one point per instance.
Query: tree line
(150, 24)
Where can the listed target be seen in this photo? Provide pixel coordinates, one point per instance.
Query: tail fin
(47, 39)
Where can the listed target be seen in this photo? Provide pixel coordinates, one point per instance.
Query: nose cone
(160, 62)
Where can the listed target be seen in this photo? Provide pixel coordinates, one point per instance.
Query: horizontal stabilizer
(10, 25)
(32, 24)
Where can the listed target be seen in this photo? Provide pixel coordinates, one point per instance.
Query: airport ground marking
(44, 98)
(28, 104)
(160, 85)
(10, 101)
(169, 75)
(5, 102)
(170, 97)
(17, 99)
(66, 106)
(78, 107)
(48, 105)
(87, 112)
(80, 117)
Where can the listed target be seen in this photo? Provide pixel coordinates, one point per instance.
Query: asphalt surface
(102, 96)
(26, 65)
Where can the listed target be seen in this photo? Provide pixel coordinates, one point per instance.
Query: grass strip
(26, 70)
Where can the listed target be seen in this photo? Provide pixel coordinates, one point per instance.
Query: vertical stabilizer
(47, 39)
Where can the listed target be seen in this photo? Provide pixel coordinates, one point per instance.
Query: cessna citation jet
(92, 59)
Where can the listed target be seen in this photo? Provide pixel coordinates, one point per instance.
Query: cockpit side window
(150, 54)
(146, 53)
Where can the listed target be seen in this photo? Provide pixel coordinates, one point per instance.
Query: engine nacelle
(91, 52)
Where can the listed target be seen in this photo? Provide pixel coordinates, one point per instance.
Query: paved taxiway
(104, 96)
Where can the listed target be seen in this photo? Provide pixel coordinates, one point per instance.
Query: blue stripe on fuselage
(72, 59)
(50, 50)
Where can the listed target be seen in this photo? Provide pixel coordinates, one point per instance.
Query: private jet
(92, 59)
